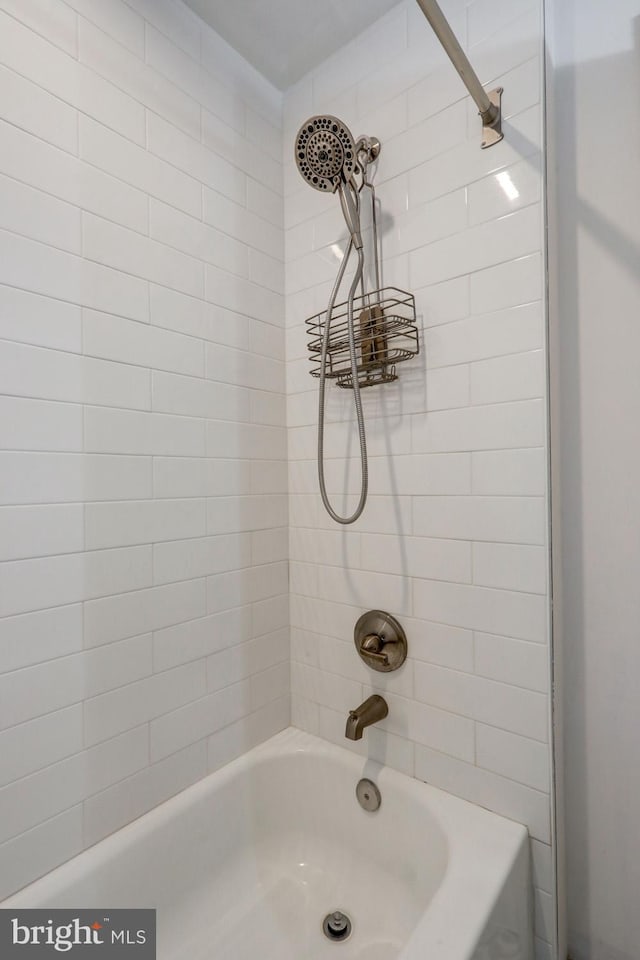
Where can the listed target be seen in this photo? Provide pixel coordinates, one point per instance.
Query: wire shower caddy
(386, 333)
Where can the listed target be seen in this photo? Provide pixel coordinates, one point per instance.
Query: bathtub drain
(336, 925)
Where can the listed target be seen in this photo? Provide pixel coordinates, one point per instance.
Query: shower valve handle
(380, 641)
(372, 647)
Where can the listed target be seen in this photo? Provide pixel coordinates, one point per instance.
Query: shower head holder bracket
(368, 148)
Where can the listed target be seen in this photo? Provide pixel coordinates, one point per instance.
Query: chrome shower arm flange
(492, 120)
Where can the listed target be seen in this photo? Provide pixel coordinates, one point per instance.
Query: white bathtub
(247, 863)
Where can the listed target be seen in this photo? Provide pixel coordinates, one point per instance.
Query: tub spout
(373, 709)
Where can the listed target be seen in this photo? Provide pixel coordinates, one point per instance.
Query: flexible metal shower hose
(349, 208)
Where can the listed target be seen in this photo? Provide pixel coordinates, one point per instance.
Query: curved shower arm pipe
(489, 104)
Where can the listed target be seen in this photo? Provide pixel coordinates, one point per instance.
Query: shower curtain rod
(489, 104)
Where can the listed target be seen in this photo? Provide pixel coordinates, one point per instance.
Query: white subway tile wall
(453, 540)
(143, 548)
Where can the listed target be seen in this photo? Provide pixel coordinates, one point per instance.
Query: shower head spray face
(325, 153)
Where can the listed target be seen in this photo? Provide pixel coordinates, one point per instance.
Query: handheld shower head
(327, 157)
(325, 152)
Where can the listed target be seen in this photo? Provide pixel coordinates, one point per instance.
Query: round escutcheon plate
(380, 641)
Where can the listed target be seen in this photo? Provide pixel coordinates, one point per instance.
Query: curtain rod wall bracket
(492, 119)
(489, 104)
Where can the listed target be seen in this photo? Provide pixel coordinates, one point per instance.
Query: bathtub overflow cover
(336, 925)
(368, 795)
